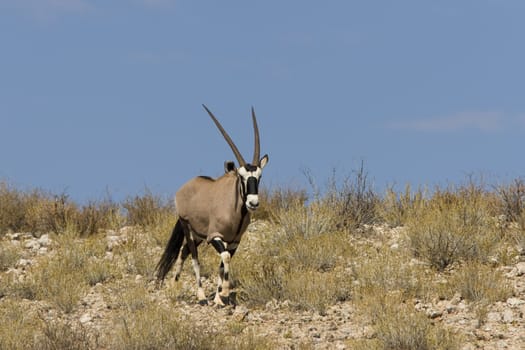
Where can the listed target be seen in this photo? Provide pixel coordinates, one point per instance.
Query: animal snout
(252, 201)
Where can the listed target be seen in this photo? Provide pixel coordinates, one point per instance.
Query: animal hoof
(203, 302)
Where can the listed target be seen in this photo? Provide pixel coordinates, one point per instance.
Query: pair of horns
(234, 148)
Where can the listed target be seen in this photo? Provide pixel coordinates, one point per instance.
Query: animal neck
(241, 205)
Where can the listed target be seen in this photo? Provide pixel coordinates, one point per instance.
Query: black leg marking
(218, 245)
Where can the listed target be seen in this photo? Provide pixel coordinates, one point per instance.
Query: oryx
(216, 211)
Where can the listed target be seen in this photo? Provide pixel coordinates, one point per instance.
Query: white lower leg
(178, 267)
(200, 291)
(225, 283)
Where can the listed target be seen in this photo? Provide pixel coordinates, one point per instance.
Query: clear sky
(99, 95)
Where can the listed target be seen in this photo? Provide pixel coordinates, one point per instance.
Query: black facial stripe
(250, 167)
(252, 185)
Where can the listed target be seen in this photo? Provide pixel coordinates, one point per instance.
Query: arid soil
(337, 328)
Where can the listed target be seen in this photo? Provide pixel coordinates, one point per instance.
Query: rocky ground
(504, 327)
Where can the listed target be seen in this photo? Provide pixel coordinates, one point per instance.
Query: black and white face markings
(251, 176)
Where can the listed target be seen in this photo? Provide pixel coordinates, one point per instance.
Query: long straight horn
(227, 137)
(256, 152)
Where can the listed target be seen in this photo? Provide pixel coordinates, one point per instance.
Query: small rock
(85, 318)
(520, 269)
(32, 244)
(508, 316)
(44, 240)
(22, 263)
(515, 301)
(493, 317)
(435, 314)
(240, 313)
(456, 299)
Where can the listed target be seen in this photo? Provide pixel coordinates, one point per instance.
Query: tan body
(222, 217)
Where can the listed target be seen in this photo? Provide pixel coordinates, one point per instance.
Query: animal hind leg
(192, 245)
(185, 251)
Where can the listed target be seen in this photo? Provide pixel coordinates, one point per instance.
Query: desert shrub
(41, 212)
(299, 221)
(12, 208)
(153, 327)
(47, 213)
(453, 225)
(147, 210)
(137, 253)
(480, 283)
(98, 270)
(379, 271)
(307, 272)
(94, 217)
(64, 277)
(278, 200)
(398, 326)
(354, 200)
(512, 201)
(18, 325)
(58, 281)
(66, 335)
(395, 208)
(9, 255)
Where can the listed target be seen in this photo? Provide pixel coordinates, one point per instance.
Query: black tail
(171, 252)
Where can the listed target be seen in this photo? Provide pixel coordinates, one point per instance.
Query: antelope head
(249, 173)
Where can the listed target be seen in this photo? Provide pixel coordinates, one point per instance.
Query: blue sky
(100, 96)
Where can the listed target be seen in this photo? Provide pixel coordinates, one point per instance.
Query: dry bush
(39, 212)
(137, 255)
(147, 210)
(59, 282)
(18, 326)
(97, 216)
(64, 277)
(452, 226)
(154, 327)
(354, 201)
(398, 326)
(396, 208)
(512, 202)
(47, 213)
(299, 221)
(9, 255)
(307, 272)
(479, 283)
(278, 200)
(379, 271)
(12, 208)
(66, 335)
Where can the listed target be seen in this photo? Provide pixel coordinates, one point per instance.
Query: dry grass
(311, 257)
(454, 225)
(479, 283)
(147, 210)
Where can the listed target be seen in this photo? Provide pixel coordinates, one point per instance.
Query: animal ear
(229, 166)
(263, 161)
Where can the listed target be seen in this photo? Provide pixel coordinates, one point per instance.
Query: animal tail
(171, 252)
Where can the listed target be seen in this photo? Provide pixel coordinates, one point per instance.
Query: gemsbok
(216, 211)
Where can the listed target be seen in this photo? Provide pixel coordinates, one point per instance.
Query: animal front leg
(222, 296)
